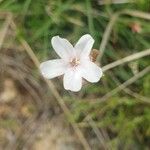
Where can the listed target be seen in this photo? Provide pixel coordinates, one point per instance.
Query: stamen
(74, 62)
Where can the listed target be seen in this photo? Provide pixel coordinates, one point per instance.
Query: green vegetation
(126, 114)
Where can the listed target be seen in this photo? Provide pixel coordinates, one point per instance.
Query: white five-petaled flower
(75, 63)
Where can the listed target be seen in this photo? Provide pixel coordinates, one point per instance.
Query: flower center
(74, 62)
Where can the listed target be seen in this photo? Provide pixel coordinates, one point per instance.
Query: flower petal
(53, 68)
(73, 80)
(84, 45)
(62, 47)
(91, 72)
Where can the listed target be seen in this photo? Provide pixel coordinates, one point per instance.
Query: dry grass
(17, 72)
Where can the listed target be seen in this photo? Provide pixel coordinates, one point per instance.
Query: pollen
(75, 62)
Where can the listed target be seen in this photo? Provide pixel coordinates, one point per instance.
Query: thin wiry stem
(126, 59)
(131, 93)
(5, 28)
(136, 95)
(98, 133)
(125, 84)
(112, 22)
(106, 35)
(54, 92)
(103, 2)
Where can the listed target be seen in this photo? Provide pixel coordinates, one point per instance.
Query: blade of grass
(90, 18)
(26, 7)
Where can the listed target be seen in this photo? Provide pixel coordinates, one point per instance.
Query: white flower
(75, 63)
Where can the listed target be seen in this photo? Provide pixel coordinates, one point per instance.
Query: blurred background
(113, 114)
